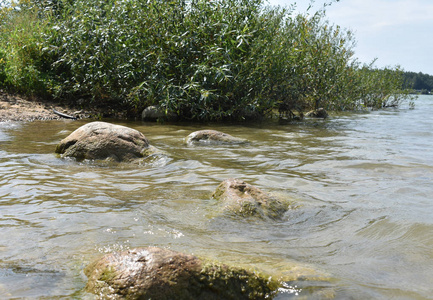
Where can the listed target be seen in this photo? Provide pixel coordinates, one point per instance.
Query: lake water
(360, 225)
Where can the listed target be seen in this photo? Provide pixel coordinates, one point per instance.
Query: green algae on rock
(246, 200)
(156, 273)
(213, 137)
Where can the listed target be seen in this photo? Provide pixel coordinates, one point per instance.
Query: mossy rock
(213, 137)
(155, 273)
(246, 200)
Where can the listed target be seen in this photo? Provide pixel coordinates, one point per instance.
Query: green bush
(203, 60)
(23, 64)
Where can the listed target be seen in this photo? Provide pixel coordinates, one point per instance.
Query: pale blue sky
(397, 32)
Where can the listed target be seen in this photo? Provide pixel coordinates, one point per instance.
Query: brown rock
(101, 140)
(212, 137)
(320, 113)
(155, 273)
(247, 200)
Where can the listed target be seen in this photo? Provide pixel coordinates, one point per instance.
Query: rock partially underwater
(101, 140)
(212, 137)
(241, 198)
(155, 273)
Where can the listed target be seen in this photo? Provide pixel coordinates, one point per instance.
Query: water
(360, 227)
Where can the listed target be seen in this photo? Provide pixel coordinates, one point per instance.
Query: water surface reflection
(359, 184)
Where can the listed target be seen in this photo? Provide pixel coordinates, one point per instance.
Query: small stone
(155, 113)
(319, 113)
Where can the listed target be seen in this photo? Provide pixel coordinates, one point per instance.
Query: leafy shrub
(22, 61)
(203, 60)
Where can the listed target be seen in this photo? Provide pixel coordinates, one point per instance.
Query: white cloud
(397, 32)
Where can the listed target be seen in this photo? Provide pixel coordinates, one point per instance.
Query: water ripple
(359, 186)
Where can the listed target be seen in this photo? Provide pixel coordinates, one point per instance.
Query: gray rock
(246, 200)
(155, 273)
(154, 113)
(101, 140)
(212, 137)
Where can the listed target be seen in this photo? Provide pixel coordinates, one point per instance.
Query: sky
(396, 32)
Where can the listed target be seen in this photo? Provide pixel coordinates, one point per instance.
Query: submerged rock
(101, 140)
(247, 200)
(320, 113)
(155, 273)
(213, 137)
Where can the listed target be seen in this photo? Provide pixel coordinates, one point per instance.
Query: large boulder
(161, 274)
(241, 198)
(212, 137)
(101, 140)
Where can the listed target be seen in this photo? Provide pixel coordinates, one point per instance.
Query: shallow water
(360, 226)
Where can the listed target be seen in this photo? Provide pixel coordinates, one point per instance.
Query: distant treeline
(202, 60)
(422, 83)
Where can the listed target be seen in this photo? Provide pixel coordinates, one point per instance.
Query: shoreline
(17, 108)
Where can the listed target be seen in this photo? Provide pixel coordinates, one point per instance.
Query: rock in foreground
(101, 140)
(247, 200)
(213, 137)
(155, 273)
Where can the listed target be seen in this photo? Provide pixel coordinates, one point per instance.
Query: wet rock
(246, 200)
(155, 273)
(154, 113)
(101, 140)
(318, 113)
(213, 137)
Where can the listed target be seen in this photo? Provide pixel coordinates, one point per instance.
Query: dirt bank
(17, 108)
